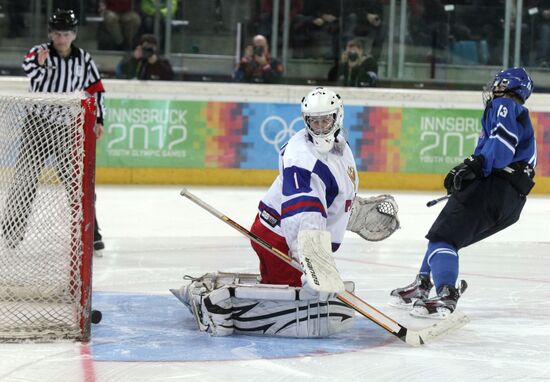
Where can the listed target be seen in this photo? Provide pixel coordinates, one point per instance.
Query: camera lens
(352, 56)
(148, 52)
(258, 50)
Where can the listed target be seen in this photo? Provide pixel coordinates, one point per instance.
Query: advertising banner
(200, 134)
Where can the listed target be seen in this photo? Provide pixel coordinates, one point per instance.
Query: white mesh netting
(41, 170)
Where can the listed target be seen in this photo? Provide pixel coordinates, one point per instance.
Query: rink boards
(230, 134)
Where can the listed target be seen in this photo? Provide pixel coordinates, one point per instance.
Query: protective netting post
(46, 195)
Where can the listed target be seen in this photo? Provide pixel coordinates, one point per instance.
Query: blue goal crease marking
(159, 328)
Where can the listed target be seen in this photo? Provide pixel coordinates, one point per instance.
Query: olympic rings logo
(276, 131)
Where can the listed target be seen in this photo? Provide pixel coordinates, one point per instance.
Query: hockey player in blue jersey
(487, 194)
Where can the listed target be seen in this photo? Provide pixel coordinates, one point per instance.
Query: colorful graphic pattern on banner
(541, 124)
(196, 134)
(224, 125)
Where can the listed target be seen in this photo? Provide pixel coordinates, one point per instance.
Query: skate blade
(98, 253)
(397, 302)
(421, 312)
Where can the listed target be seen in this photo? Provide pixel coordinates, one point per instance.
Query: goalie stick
(411, 337)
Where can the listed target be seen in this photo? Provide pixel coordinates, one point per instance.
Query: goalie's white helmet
(323, 114)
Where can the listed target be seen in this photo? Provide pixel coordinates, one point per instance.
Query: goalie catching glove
(374, 218)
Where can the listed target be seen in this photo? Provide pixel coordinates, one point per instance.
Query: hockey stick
(435, 201)
(411, 337)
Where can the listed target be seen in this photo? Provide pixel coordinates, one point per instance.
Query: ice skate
(14, 233)
(13, 241)
(440, 306)
(99, 245)
(405, 297)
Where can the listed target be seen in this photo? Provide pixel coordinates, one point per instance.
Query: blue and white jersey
(507, 135)
(312, 191)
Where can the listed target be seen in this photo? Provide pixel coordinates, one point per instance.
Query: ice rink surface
(154, 237)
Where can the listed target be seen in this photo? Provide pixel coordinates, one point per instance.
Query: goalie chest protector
(312, 187)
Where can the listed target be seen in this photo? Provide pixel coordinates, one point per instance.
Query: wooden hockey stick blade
(455, 321)
(408, 336)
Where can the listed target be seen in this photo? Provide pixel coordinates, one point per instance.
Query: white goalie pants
(229, 303)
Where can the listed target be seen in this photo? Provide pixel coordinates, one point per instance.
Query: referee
(60, 67)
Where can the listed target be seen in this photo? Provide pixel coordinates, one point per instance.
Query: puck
(96, 316)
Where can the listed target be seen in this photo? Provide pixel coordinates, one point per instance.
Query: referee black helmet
(63, 20)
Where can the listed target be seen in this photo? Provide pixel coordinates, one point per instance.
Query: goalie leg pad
(262, 309)
(374, 218)
(193, 295)
(276, 310)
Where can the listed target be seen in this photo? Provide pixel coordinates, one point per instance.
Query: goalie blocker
(374, 218)
(232, 303)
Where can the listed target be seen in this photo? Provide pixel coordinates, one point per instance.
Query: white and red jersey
(312, 191)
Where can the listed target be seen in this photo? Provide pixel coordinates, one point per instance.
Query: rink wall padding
(230, 134)
(247, 177)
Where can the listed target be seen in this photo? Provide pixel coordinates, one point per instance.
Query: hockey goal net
(47, 165)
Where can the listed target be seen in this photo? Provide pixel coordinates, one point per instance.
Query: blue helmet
(513, 80)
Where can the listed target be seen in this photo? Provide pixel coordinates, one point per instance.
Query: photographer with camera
(257, 65)
(144, 63)
(357, 68)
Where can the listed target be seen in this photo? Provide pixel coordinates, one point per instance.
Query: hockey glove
(374, 218)
(464, 174)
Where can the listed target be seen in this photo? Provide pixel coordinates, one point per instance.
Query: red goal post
(47, 172)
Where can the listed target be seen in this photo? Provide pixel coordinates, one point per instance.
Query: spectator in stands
(257, 65)
(120, 24)
(317, 29)
(148, 12)
(357, 68)
(365, 21)
(145, 63)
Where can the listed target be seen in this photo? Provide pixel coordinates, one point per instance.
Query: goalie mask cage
(47, 166)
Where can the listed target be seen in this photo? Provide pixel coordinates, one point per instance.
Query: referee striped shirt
(77, 72)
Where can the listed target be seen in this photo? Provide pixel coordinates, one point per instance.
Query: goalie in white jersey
(314, 192)
(315, 188)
